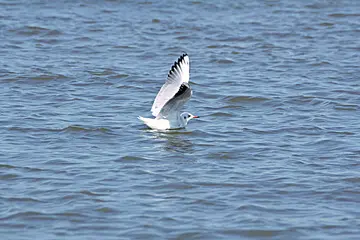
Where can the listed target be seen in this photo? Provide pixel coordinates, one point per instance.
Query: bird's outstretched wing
(178, 74)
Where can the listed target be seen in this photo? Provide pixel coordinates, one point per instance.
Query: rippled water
(274, 156)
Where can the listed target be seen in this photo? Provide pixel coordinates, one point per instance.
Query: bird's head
(187, 116)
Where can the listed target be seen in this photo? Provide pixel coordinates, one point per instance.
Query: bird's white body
(162, 124)
(171, 98)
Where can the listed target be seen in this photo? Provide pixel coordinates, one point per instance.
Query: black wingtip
(180, 58)
(182, 89)
(184, 55)
(176, 63)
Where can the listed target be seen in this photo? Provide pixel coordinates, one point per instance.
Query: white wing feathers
(179, 73)
(171, 109)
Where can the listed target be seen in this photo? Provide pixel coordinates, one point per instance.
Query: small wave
(205, 202)
(183, 37)
(54, 33)
(108, 11)
(322, 63)
(122, 46)
(246, 99)
(27, 215)
(303, 129)
(95, 30)
(24, 129)
(71, 128)
(46, 77)
(238, 39)
(326, 24)
(25, 199)
(253, 233)
(83, 39)
(47, 41)
(8, 3)
(145, 3)
(315, 6)
(232, 107)
(353, 92)
(341, 132)
(117, 76)
(225, 184)
(225, 61)
(86, 192)
(105, 210)
(70, 214)
(352, 179)
(6, 166)
(346, 107)
(342, 15)
(76, 128)
(177, 186)
(220, 155)
(8, 176)
(105, 72)
(213, 46)
(129, 158)
(221, 114)
(30, 30)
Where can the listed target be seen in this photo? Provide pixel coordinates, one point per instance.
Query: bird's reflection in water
(174, 140)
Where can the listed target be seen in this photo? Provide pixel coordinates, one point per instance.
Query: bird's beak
(196, 117)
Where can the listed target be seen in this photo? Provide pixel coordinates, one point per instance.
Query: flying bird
(171, 98)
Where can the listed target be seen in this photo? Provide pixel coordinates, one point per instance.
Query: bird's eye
(188, 116)
(184, 117)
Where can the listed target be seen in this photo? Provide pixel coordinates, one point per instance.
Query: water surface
(275, 154)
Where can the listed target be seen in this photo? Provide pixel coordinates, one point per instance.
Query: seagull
(171, 98)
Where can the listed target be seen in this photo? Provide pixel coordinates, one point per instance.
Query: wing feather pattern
(171, 109)
(178, 74)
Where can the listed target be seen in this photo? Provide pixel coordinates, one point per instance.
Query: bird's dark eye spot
(184, 117)
(188, 116)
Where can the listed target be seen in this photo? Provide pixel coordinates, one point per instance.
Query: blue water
(275, 154)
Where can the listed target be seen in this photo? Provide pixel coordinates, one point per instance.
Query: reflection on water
(174, 141)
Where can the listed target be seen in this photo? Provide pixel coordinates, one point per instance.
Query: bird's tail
(141, 118)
